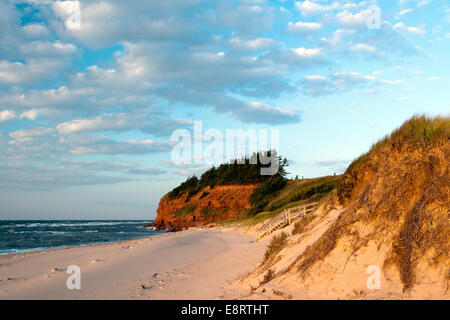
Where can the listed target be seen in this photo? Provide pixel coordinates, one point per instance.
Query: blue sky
(86, 113)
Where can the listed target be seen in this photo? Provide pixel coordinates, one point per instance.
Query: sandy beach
(192, 264)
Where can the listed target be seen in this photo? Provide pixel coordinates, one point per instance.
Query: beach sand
(192, 264)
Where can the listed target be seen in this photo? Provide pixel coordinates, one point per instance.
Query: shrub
(276, 244)
(204, 194)
(300, 226)
(186, 210)
(242, 173)
(268, 277)
(307, 192)
(209, 211)
(261, 195)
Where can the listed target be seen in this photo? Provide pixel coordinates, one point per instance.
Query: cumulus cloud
(36, 30)
(304, 27)
(420, 31)
(32, 114)
(311, 8)
(361, 47)
(102, 145)
(366, 50)
(153, 124)
(338, 82)
(28, 135)
(256, 112)
(130, 69)
(353, 20)
(6, 115)
(304, 53)
(252, 44)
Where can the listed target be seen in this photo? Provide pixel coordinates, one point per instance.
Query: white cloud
(362, 47)
(28, 135)
(403, 12)
(350, 20)
(35, 69)
(311, 8)
(103, 145)
(339, 38)
(48, 49)
(305, 53)
(339, 82)
(253, 44)
(149, 123)
(6, 115)
(412, 30)
(36, 30)
(32, 114)
(257, 112)
(422, 3)
(304, 27)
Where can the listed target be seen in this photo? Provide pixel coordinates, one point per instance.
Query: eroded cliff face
(207, 206)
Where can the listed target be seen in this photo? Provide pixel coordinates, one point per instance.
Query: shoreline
(151, 233)
(199, 263)
(76, 246)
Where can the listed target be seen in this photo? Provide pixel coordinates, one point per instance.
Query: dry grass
(400, 188)
(267, 277)
(300, 226)
(418, 132)
(277, 243)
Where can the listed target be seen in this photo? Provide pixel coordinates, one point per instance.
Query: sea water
(22, 236)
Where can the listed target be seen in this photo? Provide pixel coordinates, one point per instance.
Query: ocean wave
(81, 224)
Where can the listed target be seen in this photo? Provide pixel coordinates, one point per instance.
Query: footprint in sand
(92, 261)
(144, 287)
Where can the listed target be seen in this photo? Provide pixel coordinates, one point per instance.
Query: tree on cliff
(244, 171)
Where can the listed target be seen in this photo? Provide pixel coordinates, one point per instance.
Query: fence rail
(285, 218)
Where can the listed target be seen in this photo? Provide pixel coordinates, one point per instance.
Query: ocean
(23, 236)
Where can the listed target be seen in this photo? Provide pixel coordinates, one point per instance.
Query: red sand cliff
(207, 206)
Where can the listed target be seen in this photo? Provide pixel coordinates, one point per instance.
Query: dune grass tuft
(277, 243)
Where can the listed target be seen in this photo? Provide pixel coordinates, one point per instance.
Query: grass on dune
(420, 129)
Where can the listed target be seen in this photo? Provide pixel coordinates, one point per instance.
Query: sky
(89, 99)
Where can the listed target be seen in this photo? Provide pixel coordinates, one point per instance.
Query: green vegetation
(273, 193)
(204, 194)
(262, 194)
(421, 130)
(277, 243)
(309, 191)
(300, 226)
(186, 210)
(244, 171)
(210, 211)
(267, 277)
